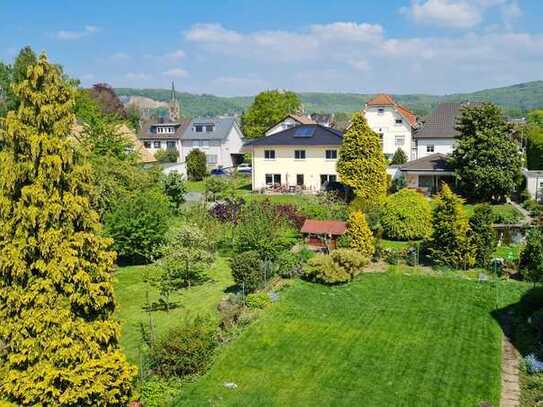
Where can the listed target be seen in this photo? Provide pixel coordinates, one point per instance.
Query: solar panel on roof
(303, 131)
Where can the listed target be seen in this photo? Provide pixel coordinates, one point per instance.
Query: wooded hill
(516, 100)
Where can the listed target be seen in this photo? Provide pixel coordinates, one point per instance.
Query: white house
(436, 133)
(393, 122)
(292, 120)
(534, 183)
(220, 139)
(298, 158)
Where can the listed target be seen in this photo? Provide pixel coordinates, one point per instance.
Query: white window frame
(301, 153)
(269, 153)
(396, 141)
(334, 151)
(155, 144)
(430, 148)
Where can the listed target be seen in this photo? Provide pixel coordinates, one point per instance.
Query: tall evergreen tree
(399, 157)
(59, 343)
(483, 235)
(450, 244)
(361, 164)
(487, 160)
(11, 75)
(359, 234)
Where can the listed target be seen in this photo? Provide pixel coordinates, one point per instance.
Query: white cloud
(176, 73)
(212, 33)
(76, 35)
(459, 14)
(361, 57)
(120, 56)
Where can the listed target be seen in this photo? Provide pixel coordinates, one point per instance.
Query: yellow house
(301, 158)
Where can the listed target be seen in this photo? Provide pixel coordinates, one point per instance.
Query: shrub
(215, 187)
(531, 259)
(450, 244)
(170, 155)
(505, 214)
(196, 165)
(288, 264)
(291, 214)
(398, 183)
(533, 364)
(351, 260)
(246, 270)
(230, 310)
(391, 256)
(260, 229)
(174, 188)
(227, 211)
(406, 215)
(359, 234)
(184, 350)
(138, 225)
(323, 269)
(258, 300)
(158, 392)
(483, 234)
(371, 209)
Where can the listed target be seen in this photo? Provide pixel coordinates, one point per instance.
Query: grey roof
(223, 125)
(147, 130)
(436, 162)
(303, 135)
(440, 123)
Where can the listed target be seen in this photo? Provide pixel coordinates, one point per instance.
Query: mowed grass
(131, 292)
(383, 340)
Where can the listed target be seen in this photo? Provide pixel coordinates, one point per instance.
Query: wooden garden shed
(323, 234)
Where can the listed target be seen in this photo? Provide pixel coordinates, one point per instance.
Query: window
(331, 154)
(273, 179)
(299, 179)
(198, 128)
(209, 128)
(156, 144)
(211, 158)
(399, 141)
(429, 148)
(204, 143)
(170, 144)
(147, 144)
(299, 154)
(269, 154)
(327, 178)
(399, 121)
(195, 143)
(381, 110)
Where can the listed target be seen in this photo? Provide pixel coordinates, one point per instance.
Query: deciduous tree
(487, 160)
(196, 165)
(483, 235)
(361, 164)
(531, 259)
(59, 343)
(268, 108)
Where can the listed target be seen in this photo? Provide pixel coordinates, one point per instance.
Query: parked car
(219, 171)
(245, 168)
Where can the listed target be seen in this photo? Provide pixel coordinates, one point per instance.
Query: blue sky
(239, 47)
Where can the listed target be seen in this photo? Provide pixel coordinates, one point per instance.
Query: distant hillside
(516, 100)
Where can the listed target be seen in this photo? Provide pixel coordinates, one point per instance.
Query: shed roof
(435, 162)
(320, 227)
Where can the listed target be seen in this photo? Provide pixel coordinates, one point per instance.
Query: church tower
(175, 110)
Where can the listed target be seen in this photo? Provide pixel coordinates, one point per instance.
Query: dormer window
(381, 110)
(209, 128)
(198, 128)
(204, 127)
(165, 130)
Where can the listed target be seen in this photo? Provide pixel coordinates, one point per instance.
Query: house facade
(220, 139)
(394, 124)
(292, 120)
(437, 131)
(301, 158)
(427, 173)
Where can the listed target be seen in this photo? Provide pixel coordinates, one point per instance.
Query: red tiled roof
(387, 100)
(330, 227)
(382, 100)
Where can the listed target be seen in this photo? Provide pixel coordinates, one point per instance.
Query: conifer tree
(359, 234)
(399, 157)
(450, 244)
(58, 341)
(483, 234)
(361, 165)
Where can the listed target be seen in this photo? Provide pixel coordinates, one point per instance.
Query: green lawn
(130, 290)
(384, 340)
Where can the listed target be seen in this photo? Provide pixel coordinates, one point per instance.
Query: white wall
(284, 163)
(386, 123)
(441, 145)
(163, 146)
(534, 183)
(285, 124)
